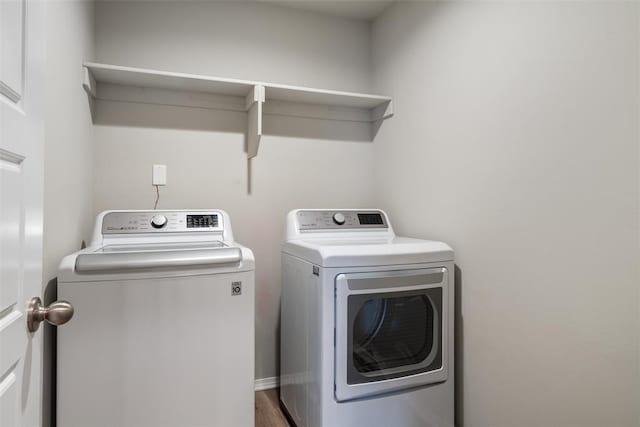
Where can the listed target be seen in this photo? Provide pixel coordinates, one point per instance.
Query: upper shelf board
(322, 97)
(139, 77)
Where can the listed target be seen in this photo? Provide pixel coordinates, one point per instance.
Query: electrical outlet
(159, 175)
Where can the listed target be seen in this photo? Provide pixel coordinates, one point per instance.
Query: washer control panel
(161, 222)
(334, 220)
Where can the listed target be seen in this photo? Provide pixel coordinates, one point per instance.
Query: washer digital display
(370, 219)
(202, 221)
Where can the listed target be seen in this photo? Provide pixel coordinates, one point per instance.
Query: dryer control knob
(339, 218)
(158, 221)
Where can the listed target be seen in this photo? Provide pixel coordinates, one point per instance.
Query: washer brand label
(236, 288)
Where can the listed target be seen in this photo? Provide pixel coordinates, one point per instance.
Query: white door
(22, 57)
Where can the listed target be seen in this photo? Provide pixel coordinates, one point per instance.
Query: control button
(158, 221)
(339, 218)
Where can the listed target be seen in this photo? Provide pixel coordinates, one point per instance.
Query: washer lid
(149, 261)
(369, 252)
(160, 247)
(123, 258)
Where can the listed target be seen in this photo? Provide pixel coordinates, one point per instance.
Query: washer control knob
(158, 221)
(339, 218)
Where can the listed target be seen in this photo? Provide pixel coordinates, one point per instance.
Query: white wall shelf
(116, 83)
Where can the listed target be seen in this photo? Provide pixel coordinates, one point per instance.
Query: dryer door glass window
(394, 334)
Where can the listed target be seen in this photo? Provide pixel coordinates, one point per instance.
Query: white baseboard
(267, 383)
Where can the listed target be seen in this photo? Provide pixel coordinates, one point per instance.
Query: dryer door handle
(122, 262)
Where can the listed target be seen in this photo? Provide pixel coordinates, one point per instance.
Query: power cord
(155, 205)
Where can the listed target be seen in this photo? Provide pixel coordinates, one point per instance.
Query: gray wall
(68, 188)
(301, 163)
(68, 163)
(516, 140)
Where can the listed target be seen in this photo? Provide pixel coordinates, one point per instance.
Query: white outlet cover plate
(159, 175)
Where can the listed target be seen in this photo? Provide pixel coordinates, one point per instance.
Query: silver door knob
(57, 313)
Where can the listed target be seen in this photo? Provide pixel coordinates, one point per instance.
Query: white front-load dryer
(366, 323)
(163, 330)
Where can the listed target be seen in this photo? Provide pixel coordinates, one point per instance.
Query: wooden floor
(268, 413)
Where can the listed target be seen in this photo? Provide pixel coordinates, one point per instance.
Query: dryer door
(391, 331)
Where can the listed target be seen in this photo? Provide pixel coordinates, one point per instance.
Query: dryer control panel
(161, 222)
(347, 219)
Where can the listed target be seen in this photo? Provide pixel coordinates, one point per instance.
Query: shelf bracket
(382, 111)
(253, 104)
(89, 83)
(378, 115)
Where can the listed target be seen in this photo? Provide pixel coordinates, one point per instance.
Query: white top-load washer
(366, 323)
(163, 331)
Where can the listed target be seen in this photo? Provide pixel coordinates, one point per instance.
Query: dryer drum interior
(392, 332)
